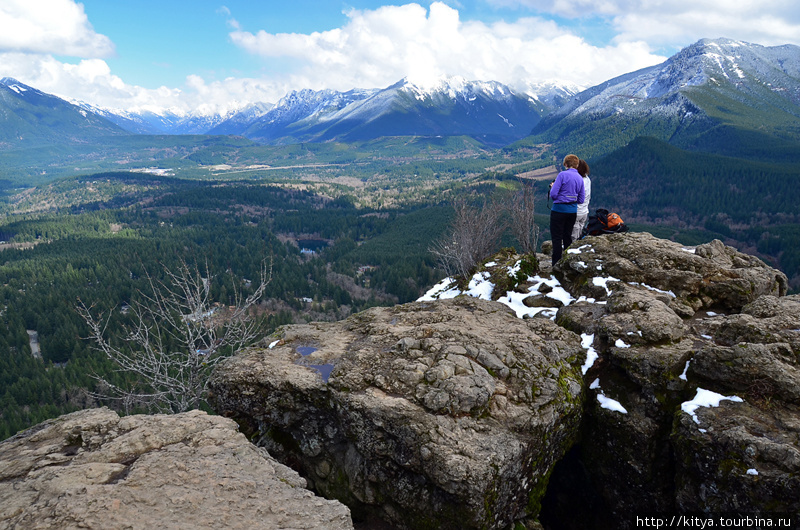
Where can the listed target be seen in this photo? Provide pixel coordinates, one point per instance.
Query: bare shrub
(473, 236)
(521, 212)
(174, 338)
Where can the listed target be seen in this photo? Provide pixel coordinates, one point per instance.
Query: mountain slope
(748, 203)
(694, 100)
(488, 111)
(30, 118)
(281, 120)
(652, 181)
(170, 121)
(238, 122)
(453, 107)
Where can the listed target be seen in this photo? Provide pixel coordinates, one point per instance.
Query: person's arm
(554, 189)
(588, 186)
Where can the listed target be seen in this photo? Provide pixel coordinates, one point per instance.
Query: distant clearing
(545, 173)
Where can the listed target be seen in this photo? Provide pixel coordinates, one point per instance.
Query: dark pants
(561, 231)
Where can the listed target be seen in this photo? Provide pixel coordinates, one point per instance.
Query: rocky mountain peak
(6, 81)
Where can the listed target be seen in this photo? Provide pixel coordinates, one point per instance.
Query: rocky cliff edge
(93, 469)
(666, 374)
(638, 377)
(447, 414)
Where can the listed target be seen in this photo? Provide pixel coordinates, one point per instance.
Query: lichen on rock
(443, 414)
(670, 320)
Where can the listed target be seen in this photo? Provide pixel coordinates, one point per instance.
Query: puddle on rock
(323, 369)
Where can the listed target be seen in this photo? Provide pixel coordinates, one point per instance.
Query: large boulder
(444, 414)
(744, 455)
(707, 276)
(93, 469)
(693, 402)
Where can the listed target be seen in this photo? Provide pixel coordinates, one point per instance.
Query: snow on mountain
(31, 117)
(14, 85)
(304, 106)
(717, 64)
(456, 88)
(132, 122)
(159, 121)
(240, 120)
(718, 81)
(450, 106)
(667, 98)
(553, 93)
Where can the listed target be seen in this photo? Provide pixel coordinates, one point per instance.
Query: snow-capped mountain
(489, 111)
(553, 94)
(31, 117)
(239, 121)
(297, 106)
(451, 106)
(162, 121)
(711, 83)
(694, 100)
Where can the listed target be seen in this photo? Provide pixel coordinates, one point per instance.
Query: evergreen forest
(102, 254)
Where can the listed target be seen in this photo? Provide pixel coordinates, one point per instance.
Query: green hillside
(748, 204)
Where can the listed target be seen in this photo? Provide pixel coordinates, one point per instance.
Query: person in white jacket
(583, 208)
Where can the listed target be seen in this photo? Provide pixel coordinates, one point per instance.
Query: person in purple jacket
(567, 193)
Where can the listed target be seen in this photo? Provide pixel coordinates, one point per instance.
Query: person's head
(571, 161)
(583, 168)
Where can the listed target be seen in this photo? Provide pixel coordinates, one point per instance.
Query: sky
(219, 55)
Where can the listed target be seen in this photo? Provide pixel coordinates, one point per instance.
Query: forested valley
(328, 259)
(338, 239)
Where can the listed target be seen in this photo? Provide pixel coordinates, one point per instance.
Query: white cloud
(50, 26)
(91, 80)
(32, 32)
(678, 23)
(376, 48)
(736, 21)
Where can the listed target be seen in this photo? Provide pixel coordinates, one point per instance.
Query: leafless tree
(521, 211)
(174, 338)
(474, 234)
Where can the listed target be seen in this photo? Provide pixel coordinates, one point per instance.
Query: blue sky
(217, 55)
(153, 50)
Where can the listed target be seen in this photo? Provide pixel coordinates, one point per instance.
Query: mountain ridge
(32, 118)
(686, 100)
(452, 106)
(701, 98)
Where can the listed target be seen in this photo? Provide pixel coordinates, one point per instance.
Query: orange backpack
(604, 222)
(613, 221)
